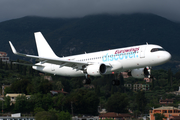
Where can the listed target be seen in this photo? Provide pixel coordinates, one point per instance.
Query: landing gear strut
(116, 82)
(87, 80)
(147, 72)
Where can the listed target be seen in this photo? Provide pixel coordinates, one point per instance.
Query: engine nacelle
(96, 69)
(140, 73)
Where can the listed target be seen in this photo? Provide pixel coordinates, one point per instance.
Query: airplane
(137, 59)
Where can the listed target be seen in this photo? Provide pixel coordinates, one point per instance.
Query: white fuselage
(119, 60)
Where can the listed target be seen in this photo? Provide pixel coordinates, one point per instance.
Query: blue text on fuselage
(120, 56)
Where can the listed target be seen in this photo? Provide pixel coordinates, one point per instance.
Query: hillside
(91, 33)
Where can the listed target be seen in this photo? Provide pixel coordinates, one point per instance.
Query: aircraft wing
(59, 61)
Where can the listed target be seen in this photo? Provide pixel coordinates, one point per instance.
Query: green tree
(21, 104)
(159, 116)
(37, 100)
(6, 66)
(20, 86)
(83, 102)
(24, 70)
(45, 86)
(118, 102)
(47, 101)
(170, 75)
(177, 75)
(6, 103)
(43, 101)
(141, 101)
(11, 66)
(8, 90)
(59, 85)
(152, 86)
(97, 90)
(59, 101)
(45, 115)
(64, 116)
(38, 109)
(1, 64)
(121, 82)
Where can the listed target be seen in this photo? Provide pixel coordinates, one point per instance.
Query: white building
(3, 57)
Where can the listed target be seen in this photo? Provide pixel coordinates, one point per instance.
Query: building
(168, 111)
(49, 78)
(148, 79)
(16, 118)
(14, 96)
(175, 92)
(137, 87)
(3, 88)
(117, 116)
(125, 74)
(166, 101)
(85, 118)
(89, 86)
(3, 57)
(174, 118)
(128, 86)
(145, 87)
(56, 92)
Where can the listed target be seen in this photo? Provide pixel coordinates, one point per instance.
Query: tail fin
(44, 50)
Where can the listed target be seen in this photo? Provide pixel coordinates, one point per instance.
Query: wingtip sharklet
(12, 48)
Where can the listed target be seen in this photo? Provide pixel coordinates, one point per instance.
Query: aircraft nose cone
(167, 56)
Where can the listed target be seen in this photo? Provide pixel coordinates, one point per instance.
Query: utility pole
(72, 107)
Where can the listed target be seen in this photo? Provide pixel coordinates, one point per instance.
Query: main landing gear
(116, 82)
(87, 80)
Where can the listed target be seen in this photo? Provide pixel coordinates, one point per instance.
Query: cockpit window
(157, 49)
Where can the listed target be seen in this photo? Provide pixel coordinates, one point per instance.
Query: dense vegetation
(83, 100)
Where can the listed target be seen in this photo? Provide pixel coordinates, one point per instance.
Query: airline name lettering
(121, 54)
(127, 50)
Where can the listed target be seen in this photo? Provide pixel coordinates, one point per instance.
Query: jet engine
(96, 69)
(140, 73)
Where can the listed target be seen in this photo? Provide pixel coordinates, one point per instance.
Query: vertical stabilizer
(44, 50)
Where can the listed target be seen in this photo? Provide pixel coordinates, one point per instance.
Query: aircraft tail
(43, 48)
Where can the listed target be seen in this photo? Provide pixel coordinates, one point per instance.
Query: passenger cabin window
(157, 49)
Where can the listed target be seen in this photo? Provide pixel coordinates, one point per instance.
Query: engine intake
(96, 69)
(140, 73)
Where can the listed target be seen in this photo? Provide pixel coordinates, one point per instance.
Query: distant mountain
(91, 33)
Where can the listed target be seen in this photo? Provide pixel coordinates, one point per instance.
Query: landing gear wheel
(115, 82)
(87, 81)
(151, 77)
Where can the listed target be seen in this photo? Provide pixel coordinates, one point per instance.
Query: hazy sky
(10, 9)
